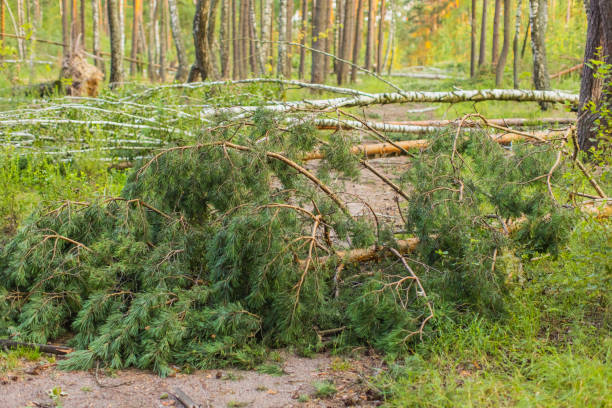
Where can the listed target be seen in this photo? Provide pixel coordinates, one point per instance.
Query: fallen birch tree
(519, 95)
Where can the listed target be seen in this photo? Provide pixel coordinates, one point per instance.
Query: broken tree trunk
(45, 348)
(387, 149)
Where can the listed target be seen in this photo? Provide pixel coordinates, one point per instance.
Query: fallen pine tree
(218, 249)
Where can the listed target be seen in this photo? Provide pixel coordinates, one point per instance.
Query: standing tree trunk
(483, 35)
(328, 24)
(369, 52)
(175, 25)
(289, 38)
(347, 40)
(163, 40)
(235, 42)
(501, 63)
(122, 26)
(381, 37)
(473, 40)
(357, 37)
(266, 24)
(20, 30)
(152, 52)
(82, 16)
(515, 45)
(391, 37)
(303, 20)
(202, 66)
(2, 23)
(95, 16)
(282, 46)
(136, 19)
(224, 39)
(116, 70)
(494, 48)
(538, 17)
(318, 41)
(255, 44)
(596, 93)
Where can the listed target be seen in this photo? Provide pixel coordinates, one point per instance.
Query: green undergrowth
(551, 349)
(207, 256)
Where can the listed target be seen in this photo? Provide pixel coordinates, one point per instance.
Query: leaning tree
(596, 89)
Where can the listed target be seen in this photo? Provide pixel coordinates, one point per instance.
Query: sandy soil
(29, 385)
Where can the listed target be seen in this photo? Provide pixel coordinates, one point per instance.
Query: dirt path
(29, 386)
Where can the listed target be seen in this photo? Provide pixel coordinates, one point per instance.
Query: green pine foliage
(201, 260)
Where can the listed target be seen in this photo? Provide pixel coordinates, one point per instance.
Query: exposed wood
(45, 348)
(567, 71)
(185, 399)
(386, 149)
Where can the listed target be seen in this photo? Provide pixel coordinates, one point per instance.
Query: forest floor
(303, 382)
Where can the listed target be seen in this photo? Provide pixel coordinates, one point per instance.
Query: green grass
(324, 389)
(552, 349)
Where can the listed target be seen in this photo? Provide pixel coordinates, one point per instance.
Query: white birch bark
(266, 17)
(518, 95)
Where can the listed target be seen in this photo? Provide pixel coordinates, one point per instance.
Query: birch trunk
(255, 43)
(501, 63)
(289, 38)
(282, 47)
(538, 17)
(121, 27)
(116, 70)
(266, 24)
(515, 45)
(404, 97)
(175, 26)
(20, 32)
(95, 16)
(391, 36)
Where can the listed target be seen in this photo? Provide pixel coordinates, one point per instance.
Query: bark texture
(473, 40)
(501, 63)
(116, 69)
(538, 18)
(482, 56)
(175, 25)
(318, 41)
(515, 45)
(496, 20)
(202, 66)
(595, 92)
(369, 51)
